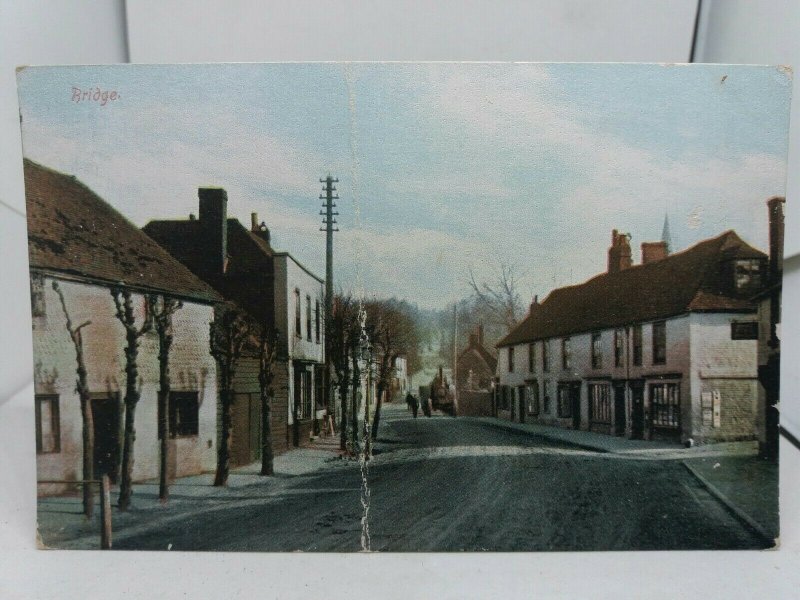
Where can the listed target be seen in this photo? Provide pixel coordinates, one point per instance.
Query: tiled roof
(249, 277)
(687, 281)
(72, 230)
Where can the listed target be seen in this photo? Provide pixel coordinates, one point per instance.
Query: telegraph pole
(328, 222)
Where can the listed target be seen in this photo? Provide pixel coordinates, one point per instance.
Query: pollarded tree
(230, 332)
(127, 316)
(82, 387)
(267, 354)
(161, 309)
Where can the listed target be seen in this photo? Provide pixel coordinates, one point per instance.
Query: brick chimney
(619, 254)
(776, 227)
(214, 223)
(653, 251)
(260, 229)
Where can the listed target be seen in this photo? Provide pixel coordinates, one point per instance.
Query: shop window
(600, 403)
(665, 405)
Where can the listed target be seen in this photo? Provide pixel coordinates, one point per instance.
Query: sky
(444, 169)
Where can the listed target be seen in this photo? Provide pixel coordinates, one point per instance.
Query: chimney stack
(254, 221)
(619, 254)
(214, 222)
(653, 251)
(776, 228)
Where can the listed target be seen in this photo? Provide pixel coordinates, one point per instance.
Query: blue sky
(443, 168)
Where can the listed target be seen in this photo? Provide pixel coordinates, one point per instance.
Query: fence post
(105, 513)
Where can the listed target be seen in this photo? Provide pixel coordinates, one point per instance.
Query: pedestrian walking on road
(413, 404)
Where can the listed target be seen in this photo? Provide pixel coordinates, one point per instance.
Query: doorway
(106, 419)
(575, 403)
(637, 409)
(619, 408)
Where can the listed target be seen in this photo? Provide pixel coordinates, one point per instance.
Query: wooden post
(105, 513)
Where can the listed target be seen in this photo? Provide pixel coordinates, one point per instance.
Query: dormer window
(747, 275)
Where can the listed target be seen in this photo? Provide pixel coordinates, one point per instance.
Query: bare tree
(392, 332)
(161, 309)
(126, 315)
(499, 300)
(230, 331)
(82, 387)
(267, 353)
(343, 330)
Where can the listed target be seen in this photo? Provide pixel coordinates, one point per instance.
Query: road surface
(444, 484)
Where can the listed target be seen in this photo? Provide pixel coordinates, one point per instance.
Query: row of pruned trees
(368, 335)
(233, 333)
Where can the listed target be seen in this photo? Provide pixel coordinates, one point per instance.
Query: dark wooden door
(575, 403)
(619, 408)
(106, 417)
(637, 410)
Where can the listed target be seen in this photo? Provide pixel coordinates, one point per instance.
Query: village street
(457, 484)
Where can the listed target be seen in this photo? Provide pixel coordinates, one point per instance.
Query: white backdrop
(83, 31)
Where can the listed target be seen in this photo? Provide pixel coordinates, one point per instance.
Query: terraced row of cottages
(675, 347)
(88, 248)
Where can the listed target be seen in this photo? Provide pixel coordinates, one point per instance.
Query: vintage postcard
(406, 307)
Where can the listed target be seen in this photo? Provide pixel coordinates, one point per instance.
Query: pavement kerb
(509, 426)
(737, 512)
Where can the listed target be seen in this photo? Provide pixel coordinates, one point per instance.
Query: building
(665, 349)
(84, 245)
(276, 290)
(475, 369)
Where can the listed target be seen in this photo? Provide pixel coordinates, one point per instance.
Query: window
(37, 295)
(308, 318)
(744, 330)
(48, 424)
(305, 412)
(637, 345)
(317, 321)
(297, 320)
(566, 353)
(747, 275)
(302, 392)
(665, 403)
(659, 342)
(532, 397)
(546, 397)
(600, 403)
(619, 347)
(511, 359)
(184, 414)
(545, 355)
(531, 357)
(597, 350)
(564, 400)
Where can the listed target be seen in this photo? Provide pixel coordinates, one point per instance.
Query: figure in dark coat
(413, 404)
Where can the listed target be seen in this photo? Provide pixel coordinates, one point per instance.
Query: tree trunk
(131, 400)
(224, 449)
(343, 388)
(355, 389)
(267, 456)
(164, 343)
(376, 419)
(88, 452)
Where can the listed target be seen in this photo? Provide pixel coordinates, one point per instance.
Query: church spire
(665, 235)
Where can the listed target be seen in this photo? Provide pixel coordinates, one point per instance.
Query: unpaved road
(443, 484)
